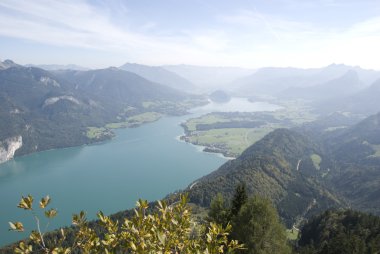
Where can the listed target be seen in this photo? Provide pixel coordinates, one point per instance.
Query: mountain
(208, 78)
(7, 64)
(113, 85)
(41, 110)
(273, 81)
(54, 67)
(364, 102)
(279, 167)
(341, 232)
(306, 170)
(367, 76)
(124, 93)
(353, 153)
(345, 85)
(220, 96)
(366, 131)
(355, 174)
(159, 75)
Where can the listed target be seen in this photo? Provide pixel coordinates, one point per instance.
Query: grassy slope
(100, 133)
(136, 120)
(233, 140)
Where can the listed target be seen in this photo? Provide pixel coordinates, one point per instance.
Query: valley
(189, 127)
(230, 133)
(299, 157)
(141, 149)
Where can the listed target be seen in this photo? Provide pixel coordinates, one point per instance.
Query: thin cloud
(278, 27)
(77, 24)
(243, 37)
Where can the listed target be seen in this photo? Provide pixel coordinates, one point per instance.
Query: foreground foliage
(167, 230)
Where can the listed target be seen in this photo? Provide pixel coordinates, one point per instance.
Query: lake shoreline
(102, 140)
(203, 148)
(157, 157)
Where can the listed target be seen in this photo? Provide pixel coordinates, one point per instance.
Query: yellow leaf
(17, 226)
(44, 201)
(26, 202)
(133, 246)
(51, 213)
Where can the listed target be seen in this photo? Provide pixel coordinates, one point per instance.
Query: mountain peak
(7, 63)
(335, 65)
(159, 75)
(284, 142)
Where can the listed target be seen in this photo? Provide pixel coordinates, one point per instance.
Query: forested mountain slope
(278, 167)
(356, 172)
(305, 173)
(341, 232)
(41, 110)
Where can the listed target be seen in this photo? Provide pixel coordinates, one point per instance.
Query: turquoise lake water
(146, 162)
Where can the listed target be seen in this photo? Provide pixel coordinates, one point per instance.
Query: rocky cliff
(8, 147)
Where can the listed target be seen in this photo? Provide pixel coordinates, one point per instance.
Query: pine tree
(239, 199)
(258, 227)
(219, 212)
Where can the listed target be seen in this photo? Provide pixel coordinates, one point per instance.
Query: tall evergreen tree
(219, 211)
(258, 227)
(239, 199)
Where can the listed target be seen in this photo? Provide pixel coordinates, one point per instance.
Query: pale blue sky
(100, 33)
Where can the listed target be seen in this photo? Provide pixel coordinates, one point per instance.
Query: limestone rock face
(8, 147)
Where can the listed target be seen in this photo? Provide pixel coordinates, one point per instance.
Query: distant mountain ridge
(159, 75)
(55, 67)
(120, 85)
(274, 81)
(365, 101)
(208, 78)
(345, 85)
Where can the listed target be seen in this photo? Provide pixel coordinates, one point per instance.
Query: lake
(146, 162)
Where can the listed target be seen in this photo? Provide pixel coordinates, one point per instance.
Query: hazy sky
(100, 33)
